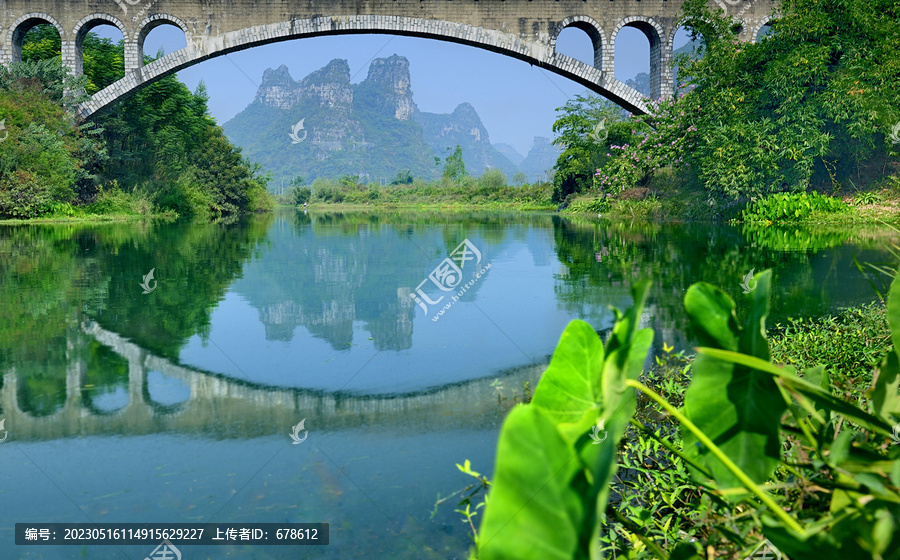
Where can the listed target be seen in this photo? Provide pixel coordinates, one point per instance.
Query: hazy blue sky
(515, 100)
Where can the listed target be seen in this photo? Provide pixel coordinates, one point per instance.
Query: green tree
(404, 177)
(808, 105)
(492, 179)
(519, 178)
(40, 156)
(301, 195)
(584, 129)
(454, 166)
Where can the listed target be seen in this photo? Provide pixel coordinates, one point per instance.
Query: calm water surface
(177, 405)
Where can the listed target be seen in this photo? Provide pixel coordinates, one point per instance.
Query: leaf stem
(720, 455)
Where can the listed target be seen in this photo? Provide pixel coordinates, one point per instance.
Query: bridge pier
(134, 58)
(71, 58)
(137, 379)
(661, 77)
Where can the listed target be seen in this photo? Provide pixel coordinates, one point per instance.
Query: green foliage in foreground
(764, 453)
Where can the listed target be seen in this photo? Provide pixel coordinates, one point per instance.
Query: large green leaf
(568, 388)
(738, 407)
(712, 316)
(818, 395)
(886, 388)
(531, 511)
(626, 326)
(893, 312)
(753, 337)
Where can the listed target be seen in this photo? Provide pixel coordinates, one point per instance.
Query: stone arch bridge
(524, 29)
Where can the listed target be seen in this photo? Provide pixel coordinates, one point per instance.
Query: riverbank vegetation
(488, 191)
(157, 152)
(811, 107)
(711, 456)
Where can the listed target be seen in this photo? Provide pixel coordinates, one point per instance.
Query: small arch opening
(581, 42)
(159, 38)
(41, 37)
(166, 394)
(765, 31)
(41, 42)
(101, 53)
(633, 50)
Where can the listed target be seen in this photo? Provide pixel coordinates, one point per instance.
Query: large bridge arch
(201, 48)
(523, 29)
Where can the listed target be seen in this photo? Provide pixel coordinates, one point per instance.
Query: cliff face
(389, 79)
(372, 129)
(278, 89)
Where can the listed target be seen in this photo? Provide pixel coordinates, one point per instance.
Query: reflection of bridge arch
(226, 408)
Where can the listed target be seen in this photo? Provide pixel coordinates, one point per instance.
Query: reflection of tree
(194, 265)
(51, 276)
(105, 371)
(600, 259)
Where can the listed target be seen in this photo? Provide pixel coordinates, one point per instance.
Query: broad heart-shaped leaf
(886, 388)
(626, 326)
(623, 364)
(893, 312)
(737, 407)
(885, 392)
(712, 316)
(753, 337)
(566, 390)
(531, 510)
(816, 394)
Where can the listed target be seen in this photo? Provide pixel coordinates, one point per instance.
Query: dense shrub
(791, 207)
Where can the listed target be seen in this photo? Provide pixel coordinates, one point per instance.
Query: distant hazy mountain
(511, 153)
(463, 126)
(538, 164)
(373, 129)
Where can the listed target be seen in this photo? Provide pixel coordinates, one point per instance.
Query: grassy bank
(669, 198)
(465, 194)
(654, 490)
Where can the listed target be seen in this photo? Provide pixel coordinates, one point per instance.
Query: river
(172, 397)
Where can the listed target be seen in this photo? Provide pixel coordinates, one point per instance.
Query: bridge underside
(523, 29)
(503, 43)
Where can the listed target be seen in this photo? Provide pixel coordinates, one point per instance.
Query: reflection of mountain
(332, 272)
